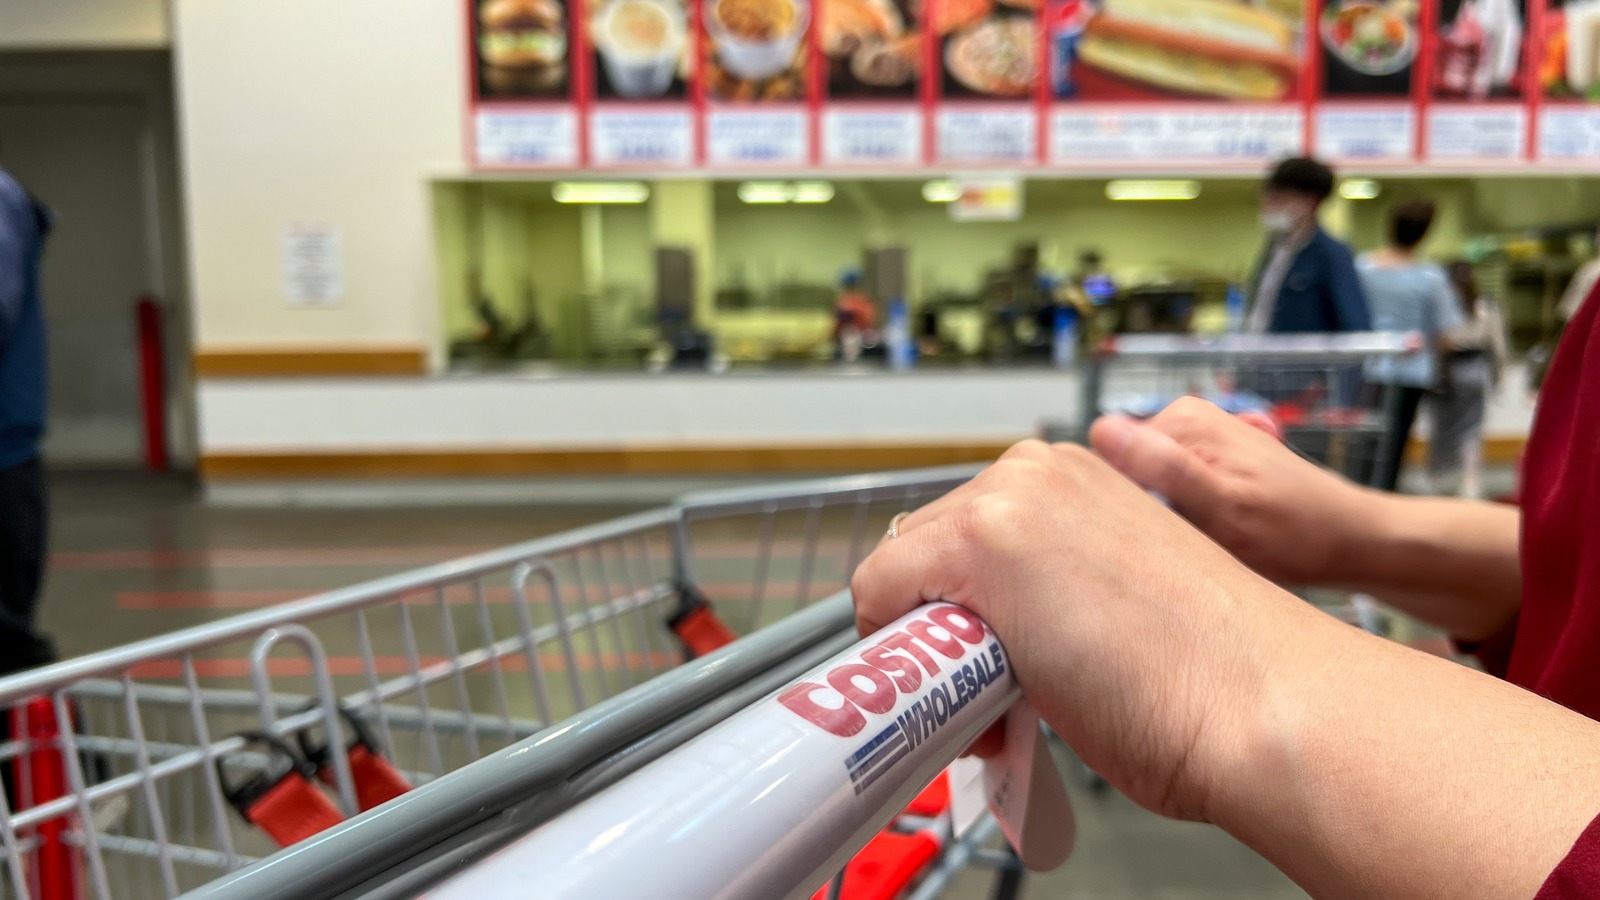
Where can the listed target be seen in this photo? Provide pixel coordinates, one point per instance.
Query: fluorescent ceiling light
(1359, 189)
(766, 192)
(1152, 190)
(942, 191)
(812, 192)
(600, 192)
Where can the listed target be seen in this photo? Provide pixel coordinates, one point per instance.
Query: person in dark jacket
(24, 226)
(1305, 280)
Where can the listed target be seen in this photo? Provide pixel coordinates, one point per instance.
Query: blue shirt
(1415, 297)
(1319, 293)
(24, 225)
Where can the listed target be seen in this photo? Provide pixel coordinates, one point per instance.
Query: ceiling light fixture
(766, 192)
(600, 192)
(941, 191)
(1359, 189)
(1176, 189)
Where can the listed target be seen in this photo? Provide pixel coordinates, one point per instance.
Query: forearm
(1365, 769)
(1451, 563)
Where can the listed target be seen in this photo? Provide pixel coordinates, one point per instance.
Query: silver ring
(894, 524)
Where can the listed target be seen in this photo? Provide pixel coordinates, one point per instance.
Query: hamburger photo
(522, 45)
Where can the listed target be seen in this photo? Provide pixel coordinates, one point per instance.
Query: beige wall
(305, 110)
(83, 24)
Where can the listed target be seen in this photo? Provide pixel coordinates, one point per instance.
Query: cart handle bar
(774, 801)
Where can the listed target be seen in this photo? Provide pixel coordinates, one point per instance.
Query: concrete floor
(133, 558)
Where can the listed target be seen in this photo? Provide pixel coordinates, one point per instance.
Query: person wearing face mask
(1305, 280)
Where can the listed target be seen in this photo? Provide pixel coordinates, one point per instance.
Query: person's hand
(1138, 640)
(1284, 516)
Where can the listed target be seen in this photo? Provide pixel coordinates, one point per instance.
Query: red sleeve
(1578, 876)
(1494, 652)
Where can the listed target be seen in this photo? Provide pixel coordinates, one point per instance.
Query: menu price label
(542, 137)
(757, 138)
(872, 137)
(641, 137)
(1569, 132)
(988, 135)
(1115, 133)
(1476, 132)
(1367, 133)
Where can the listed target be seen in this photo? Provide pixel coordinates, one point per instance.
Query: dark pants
(1402, 413)
(23, 526)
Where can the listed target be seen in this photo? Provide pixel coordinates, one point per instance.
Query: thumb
(1153, 461)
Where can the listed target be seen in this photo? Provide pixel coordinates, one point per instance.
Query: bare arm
(1451, 563)
(1361, 768)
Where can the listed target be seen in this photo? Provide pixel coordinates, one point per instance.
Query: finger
(1155, 462)
(903, 573)
(1262, 423)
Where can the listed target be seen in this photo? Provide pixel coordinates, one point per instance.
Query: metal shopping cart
(1314, 387)
(471, 700)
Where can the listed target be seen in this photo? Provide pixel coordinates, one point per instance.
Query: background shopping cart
(162, 766)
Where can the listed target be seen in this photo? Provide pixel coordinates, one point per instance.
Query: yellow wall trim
(707, 460)
(238, 466)
(320, 362)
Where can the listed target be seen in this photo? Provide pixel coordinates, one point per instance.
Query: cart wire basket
(471, 700)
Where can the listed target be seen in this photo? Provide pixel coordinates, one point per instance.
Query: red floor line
(400, 556)
(256, 598)
(389, 666)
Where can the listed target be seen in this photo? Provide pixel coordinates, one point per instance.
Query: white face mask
(1277, 221)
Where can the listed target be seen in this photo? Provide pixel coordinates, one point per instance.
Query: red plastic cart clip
(281, 800)
(885, 867)
(377, 781)
(696, 624)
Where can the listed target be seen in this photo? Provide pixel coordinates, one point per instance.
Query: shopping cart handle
(776, 799)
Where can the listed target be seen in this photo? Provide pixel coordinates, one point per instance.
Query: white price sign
(757, 137)
(1569, 132)
(642, 137)
(1006, 135)
(543, 137)
(1477, 132)
(1367, 133)
(1105, 133)
(872, 137)
(312, 264)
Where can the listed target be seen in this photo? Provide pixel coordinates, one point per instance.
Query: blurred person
(1581, 285)
(1412, 296)
(24, 227)
(1159, 642)
(1469, 372)
(855, 317)
(1305, 280)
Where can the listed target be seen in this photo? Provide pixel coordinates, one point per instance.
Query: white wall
(83, 24)
(306, 110)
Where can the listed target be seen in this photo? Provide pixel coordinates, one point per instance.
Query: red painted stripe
(388, 666)
(455, 595)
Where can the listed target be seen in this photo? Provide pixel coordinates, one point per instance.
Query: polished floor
(135, 558)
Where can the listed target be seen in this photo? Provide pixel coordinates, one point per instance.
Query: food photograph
(521, 48)
(990, 49)
(872, 48)
(756, 50)
(1480, 49)
(1368, 47)
(641, 49)
(1569, 64)
(1168, 50)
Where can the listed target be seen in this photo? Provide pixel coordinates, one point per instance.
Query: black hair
(1302, 175)
(1460, 272)
(1409, 220)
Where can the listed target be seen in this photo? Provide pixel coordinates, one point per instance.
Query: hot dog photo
(1218, 50)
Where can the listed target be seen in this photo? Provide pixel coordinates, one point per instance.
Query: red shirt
(1554, 645)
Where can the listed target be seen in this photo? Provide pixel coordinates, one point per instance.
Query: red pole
(153, 385)
(55, 865)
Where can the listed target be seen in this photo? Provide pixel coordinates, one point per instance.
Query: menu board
(872, 53)
(793, 85)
